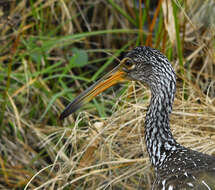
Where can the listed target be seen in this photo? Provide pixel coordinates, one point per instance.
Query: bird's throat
(158, 136)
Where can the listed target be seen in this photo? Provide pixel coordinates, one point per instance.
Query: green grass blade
(179, 48)
(122, 12)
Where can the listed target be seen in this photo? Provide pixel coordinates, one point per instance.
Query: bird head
(149, 66)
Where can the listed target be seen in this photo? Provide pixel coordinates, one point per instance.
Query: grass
(53, 50)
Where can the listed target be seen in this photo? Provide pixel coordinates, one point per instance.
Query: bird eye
(128, 63)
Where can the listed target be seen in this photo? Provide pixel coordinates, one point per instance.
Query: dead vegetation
(102, 146)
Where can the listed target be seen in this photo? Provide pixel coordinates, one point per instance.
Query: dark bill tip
(71, 108)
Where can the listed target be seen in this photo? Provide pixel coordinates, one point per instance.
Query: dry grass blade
(169, 20)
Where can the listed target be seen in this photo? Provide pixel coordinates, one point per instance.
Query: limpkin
(176, 167)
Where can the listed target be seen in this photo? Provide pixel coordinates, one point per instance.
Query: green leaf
(79, 58)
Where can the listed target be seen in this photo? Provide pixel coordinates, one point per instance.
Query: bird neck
(158, 136)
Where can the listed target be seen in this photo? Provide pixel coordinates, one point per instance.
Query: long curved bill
(113, 77)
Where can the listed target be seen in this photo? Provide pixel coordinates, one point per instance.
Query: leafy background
(52, 50)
